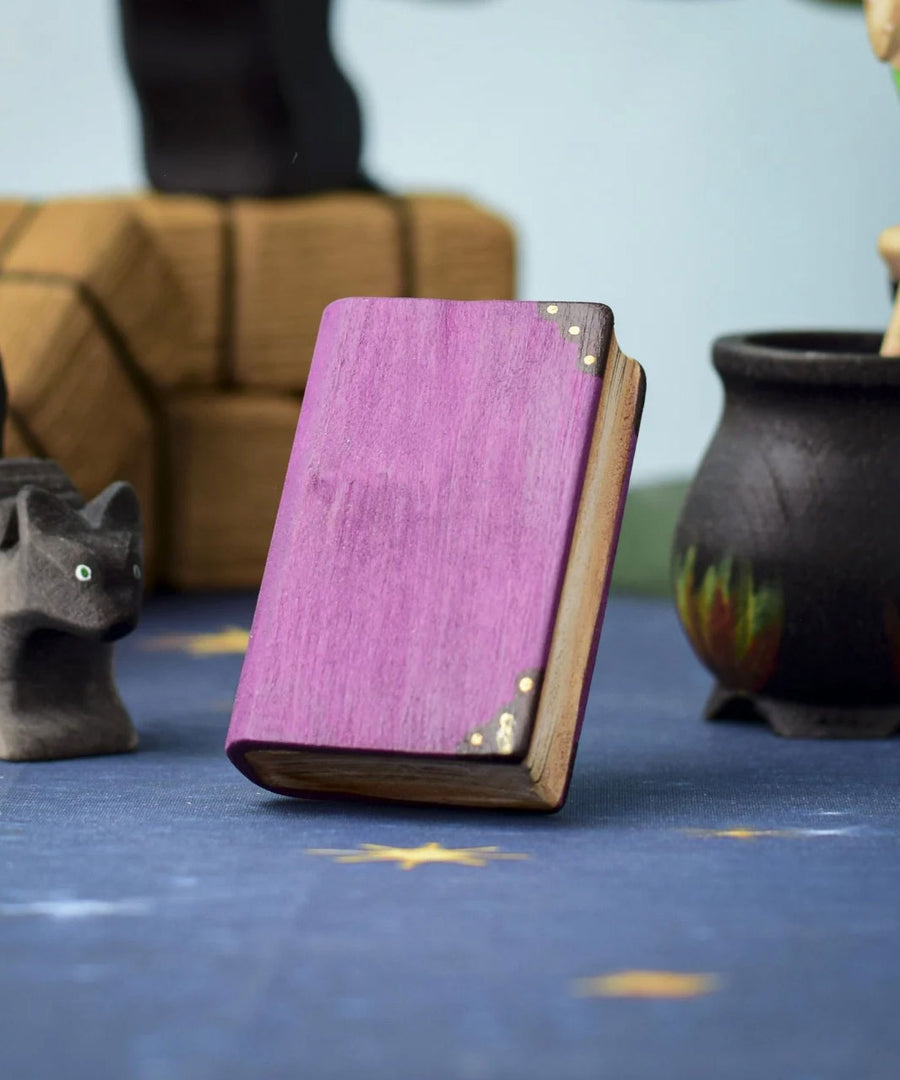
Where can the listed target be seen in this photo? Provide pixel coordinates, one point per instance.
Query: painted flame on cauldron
(734, 624)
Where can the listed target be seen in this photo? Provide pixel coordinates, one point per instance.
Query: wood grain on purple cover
(424, 525)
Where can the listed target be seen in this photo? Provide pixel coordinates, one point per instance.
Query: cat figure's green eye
(83, 572)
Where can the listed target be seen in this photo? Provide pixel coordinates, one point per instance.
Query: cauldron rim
(813, 357)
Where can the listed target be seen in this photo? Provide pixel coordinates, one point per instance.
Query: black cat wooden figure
(70, 585)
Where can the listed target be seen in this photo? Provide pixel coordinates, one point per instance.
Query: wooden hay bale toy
(133, 328)
(231, 452)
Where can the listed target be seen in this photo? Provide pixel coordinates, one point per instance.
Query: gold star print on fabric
(410, 858)
(230, 640)
(735, 834)
(673, 985)
(759, 834)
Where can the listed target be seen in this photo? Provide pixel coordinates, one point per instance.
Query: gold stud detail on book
(581, 324)
(507, 734)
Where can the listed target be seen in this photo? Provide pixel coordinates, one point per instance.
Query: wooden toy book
(429, 613)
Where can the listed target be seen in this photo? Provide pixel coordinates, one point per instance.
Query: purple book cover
(415, 569)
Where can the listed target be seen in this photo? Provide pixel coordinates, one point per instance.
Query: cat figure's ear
(39, 511)
(9, 525)
(115, 509)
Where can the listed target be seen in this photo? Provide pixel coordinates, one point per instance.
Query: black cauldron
(786, 561)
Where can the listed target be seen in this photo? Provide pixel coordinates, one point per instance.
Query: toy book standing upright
(429, 613)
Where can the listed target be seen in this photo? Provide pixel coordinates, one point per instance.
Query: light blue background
(700, 165)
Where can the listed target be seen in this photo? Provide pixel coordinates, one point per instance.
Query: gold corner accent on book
(585, 582)
(508, 732)
(586, 325)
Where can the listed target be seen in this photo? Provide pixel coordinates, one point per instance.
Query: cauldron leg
(725, 704)
(801, 721)
(797, 721)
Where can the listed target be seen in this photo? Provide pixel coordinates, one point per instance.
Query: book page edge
(586, 580)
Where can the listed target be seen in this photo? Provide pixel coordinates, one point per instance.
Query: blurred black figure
(241, 97)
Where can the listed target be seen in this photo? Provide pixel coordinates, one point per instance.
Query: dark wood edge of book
(428, 780)
(573, 645)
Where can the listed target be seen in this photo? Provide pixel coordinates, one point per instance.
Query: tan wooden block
(292, 258)
(15, 443)
(69, 398)
(459, 250)
(189, 231)
(12, 213)
(103, 245)
(229, 454)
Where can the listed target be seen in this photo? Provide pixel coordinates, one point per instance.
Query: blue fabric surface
(161, 918)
